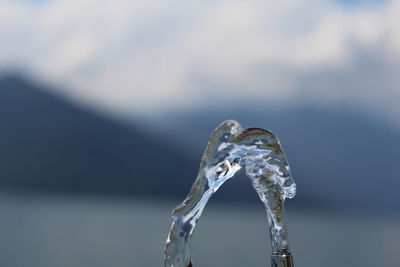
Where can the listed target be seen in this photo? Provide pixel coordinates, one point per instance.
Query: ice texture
(229, 149)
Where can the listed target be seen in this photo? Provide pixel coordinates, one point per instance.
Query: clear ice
(229, 149)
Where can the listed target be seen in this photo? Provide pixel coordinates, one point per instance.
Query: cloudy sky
(157, 55)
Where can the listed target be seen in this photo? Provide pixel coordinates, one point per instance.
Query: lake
(77, 232)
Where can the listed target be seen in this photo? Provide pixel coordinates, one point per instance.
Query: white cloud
(155, 55)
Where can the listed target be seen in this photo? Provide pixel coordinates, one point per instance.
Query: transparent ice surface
(229, 149)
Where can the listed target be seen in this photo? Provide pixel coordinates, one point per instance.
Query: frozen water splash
(229, 149)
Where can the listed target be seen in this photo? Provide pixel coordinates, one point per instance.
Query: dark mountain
(340, 157)
(50, 145)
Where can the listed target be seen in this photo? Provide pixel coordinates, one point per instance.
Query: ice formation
(229, 149)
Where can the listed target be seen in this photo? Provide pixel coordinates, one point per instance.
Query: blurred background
(106, 107)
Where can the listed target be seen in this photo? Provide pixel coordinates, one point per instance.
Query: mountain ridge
(48, 144)
(340, 160)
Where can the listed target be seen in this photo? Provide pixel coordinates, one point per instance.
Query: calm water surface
(55, 232)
